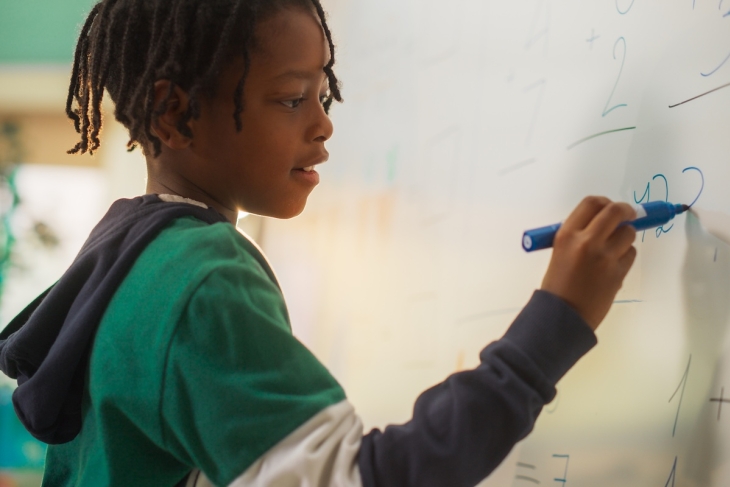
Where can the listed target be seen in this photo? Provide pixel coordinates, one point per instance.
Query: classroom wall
(40, 31)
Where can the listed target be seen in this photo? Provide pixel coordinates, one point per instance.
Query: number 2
(660, 230)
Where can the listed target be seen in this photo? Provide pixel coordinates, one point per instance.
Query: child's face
(261, 168)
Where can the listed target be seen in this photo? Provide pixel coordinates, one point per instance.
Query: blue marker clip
(648, 215)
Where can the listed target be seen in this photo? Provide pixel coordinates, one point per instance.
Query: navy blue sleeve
(464, 427)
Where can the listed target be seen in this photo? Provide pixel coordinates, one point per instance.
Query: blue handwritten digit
(644, 197)
(661, 229)
(682, 385)
(702, 186)
(607, 110)
(666, 184)
(624, 12)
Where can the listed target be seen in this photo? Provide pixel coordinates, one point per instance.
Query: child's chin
(288, 212)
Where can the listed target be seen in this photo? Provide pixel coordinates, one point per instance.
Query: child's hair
(127, 45)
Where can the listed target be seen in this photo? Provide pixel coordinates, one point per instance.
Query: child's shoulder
(187, 258)
(191, 246)
(190, 265)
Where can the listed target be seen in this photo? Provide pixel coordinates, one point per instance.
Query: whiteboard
(467, 122)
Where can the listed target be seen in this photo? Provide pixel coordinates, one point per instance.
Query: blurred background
(49, 201)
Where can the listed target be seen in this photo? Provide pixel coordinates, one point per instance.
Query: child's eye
(293, 103)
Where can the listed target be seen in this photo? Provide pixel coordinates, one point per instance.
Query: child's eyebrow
(298, 74)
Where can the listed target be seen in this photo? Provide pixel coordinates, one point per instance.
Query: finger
(621, 239)
(626, 261)
(584, 213)
(610, 217)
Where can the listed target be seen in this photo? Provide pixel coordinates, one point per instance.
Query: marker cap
(539, 238)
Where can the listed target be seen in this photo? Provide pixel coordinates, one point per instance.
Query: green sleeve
(237, 381)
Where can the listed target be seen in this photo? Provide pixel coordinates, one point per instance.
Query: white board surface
(467, 122)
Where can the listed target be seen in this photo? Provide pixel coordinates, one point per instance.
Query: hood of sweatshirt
(46, 348)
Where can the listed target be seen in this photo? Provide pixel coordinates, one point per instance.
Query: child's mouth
(307, 175)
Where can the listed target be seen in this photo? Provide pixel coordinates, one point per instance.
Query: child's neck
(189, 191)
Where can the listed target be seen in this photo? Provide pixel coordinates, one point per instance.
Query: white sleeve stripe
(321, 452)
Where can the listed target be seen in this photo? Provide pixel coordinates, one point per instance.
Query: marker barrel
(649, 215)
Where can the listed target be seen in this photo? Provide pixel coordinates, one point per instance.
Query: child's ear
(165, 125)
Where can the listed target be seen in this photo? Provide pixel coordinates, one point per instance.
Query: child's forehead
(289, 44)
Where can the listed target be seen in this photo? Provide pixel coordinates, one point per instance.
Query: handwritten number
(660, 230)
(666, 185)
(607, 110)
(682, 385)
(644, 197)
(702, 187)
(624, 12)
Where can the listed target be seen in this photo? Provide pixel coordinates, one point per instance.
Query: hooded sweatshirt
(46, 347)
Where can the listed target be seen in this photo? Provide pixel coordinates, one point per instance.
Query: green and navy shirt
(194, 365)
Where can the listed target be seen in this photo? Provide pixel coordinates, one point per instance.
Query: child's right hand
(591, 257)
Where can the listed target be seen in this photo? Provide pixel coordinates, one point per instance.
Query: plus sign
(720, 400)
(592, 38)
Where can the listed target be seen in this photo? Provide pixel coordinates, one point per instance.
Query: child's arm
(464, 427)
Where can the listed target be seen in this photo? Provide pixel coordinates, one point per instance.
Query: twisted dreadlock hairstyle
(127, 45)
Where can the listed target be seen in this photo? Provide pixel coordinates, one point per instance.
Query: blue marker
(648, 215)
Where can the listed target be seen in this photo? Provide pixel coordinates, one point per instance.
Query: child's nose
(322, 128)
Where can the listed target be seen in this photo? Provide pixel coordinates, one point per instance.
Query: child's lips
(306, 175)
